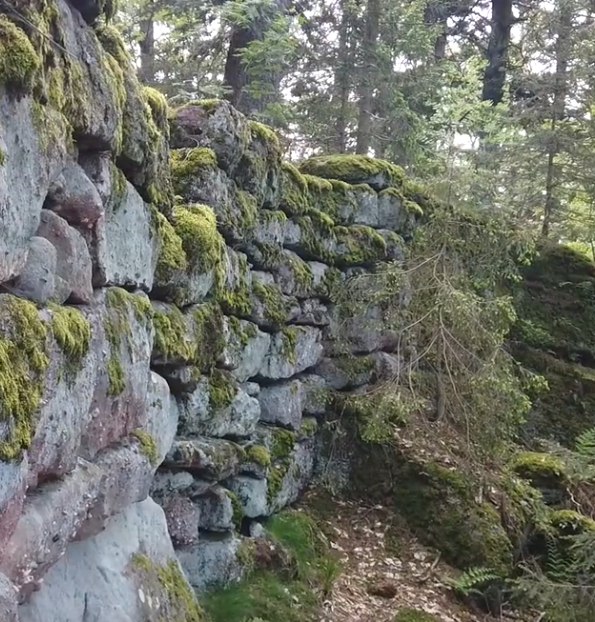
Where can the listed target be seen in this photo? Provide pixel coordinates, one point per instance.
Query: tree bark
(499, 42)
(368, 77)
(147, 49)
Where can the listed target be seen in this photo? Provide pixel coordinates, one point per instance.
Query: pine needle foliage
(449, 311)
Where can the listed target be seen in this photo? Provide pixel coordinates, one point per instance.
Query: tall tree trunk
(495, 73)
(368, 77)
(147, 46)
(342, 82)
(562, 50)
(252, 101)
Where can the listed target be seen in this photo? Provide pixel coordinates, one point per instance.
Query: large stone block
(121, 574)
(214, 561)
(27, 170)
(292, 351)
(211, 459)
(73, 259)
(203, 413)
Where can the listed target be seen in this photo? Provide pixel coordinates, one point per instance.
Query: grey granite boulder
(216, 510)
(200, 416)
(245, 349)
(26, 172)
(211, 459)
(126, 247)
(213, 124)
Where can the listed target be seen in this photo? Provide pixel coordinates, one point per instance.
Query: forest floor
(382, 575)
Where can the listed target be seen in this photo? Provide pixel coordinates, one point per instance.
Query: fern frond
(473, 581)
(585, 444)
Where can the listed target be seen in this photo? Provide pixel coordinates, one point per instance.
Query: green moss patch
(359, 245)
(278, 592)
(122, 307)
(222, 389)
(18, 58)
(414, 615)
(23, 362)
(555, 337)
(543, 470)
(168, 588)
(147, 444)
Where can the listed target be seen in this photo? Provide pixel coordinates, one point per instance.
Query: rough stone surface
(199, 417)
(212, 561)
(37, 280)
(25, 176)
(126, 247)
(216, 510)
(218, 126)
(211, 459)
(245, 350)
(74, 197)
(290, 355)
(100, 579)
(73, 258)
(282, 405)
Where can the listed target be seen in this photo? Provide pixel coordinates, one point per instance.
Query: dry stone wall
(167, 332)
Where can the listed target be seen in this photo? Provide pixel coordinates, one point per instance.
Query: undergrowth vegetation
(293, 571)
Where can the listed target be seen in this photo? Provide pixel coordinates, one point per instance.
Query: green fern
(473, 581)
(585, 444)
(558, 564)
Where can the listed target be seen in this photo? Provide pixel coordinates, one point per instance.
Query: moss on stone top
(18, 59)
(208, 335)
(570, 522)
(266, 135)
(259, 455)
(157, 104)
(294, 198)
(172, 341)
(121, 305)
(172, 258)
(185, 163)
(555, 337)
(273, 302)
(353, 169)
(23, 361)
(359, 245)
(282, 442)
(541, 469)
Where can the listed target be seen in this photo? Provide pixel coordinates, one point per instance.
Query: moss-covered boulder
(555, 337)
(440, 504)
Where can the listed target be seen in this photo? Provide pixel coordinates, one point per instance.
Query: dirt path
(405, 573)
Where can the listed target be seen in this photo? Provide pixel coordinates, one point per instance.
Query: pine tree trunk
(562, 50)
(495, 73)
(147, 47)
(342, 81)
(368, 77)
(252, 102)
